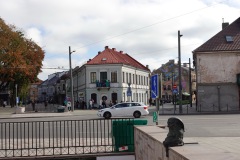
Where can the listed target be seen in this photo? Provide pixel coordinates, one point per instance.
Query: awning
(186, 94)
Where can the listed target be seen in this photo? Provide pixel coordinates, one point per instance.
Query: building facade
(111, 76)
(217, 64)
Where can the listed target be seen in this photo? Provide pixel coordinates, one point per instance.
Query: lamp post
(16, 96)
(71, 79)
(180, 73)
(190, 82)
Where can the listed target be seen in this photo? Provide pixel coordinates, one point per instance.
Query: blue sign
(175, 91)
(154, 86)
(129, 92)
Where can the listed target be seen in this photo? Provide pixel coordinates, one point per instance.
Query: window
(123, 78)
(127, 77)
(114, 77)
(93, 77)
(103, 76)
(130, 78)
(136, 79)
(229, 38)
(169, 87)
(133, 79)
(164, 87)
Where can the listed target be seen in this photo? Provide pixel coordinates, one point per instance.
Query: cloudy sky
(145, 29)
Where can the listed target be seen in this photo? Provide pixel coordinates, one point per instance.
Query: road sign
(175, 90)
(155, 117)
(129, 92)
(174, 86)
(155, 86)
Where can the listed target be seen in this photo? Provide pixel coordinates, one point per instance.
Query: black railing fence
(51, 138)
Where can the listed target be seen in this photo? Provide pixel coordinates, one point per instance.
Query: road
(227, 125)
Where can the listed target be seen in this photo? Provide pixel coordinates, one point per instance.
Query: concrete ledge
(149, 146)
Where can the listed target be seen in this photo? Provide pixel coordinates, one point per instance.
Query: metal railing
(51, 138)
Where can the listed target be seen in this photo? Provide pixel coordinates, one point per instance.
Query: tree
(20, 58)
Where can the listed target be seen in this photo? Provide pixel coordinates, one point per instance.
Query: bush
(183, 102)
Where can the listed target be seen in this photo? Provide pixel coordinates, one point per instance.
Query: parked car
(134, 109)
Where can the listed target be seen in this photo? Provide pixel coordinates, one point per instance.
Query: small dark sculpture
(175, 134)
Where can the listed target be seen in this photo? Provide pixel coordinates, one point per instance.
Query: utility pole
(190, 82)
(180, 73)
(16, 95)
(71, 79)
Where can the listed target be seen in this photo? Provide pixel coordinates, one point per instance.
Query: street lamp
(16, 96)
(180, 73)
(71, 79)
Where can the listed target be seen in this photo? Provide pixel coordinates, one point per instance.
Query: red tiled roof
(219, 43)
(111, 56)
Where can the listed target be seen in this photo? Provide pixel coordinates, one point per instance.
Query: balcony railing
(103, 84)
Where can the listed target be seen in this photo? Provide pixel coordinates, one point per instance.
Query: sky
(147, 30)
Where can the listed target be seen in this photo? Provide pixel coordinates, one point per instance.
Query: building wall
(140, 92)
(217, 89)
(218, 67)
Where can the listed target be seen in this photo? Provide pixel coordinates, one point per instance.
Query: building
(217, 64)
(52, 89)
(33, 92)
(170, 77)
(111, 76)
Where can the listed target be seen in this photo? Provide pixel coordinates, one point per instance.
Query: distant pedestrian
(33, 105)
(45, 104)
(150, 101)
(110, 104)
(90, 104)
(104, 104)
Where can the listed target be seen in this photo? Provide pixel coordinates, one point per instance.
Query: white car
(134, 109)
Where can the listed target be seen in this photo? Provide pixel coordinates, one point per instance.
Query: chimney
(147, 66)
(114, 49)
(106, 47)
(89, 60)
(121, 52)
(224, 25)
(99, 52)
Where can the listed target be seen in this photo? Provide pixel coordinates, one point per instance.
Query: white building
(107, 77)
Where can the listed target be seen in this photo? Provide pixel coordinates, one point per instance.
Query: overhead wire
(147, 26)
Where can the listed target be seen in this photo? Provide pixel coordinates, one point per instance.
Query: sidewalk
(51, 110)
(8, 112)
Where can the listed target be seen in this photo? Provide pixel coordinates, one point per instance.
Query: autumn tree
(20, 58)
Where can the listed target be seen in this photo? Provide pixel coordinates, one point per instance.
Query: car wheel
(137, 114)
(107, 115)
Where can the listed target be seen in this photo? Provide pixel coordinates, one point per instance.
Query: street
(223, 125)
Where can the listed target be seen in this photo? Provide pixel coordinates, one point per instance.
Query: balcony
(103, 84)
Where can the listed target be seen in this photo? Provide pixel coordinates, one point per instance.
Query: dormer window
(229, 39)
(104, 59)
